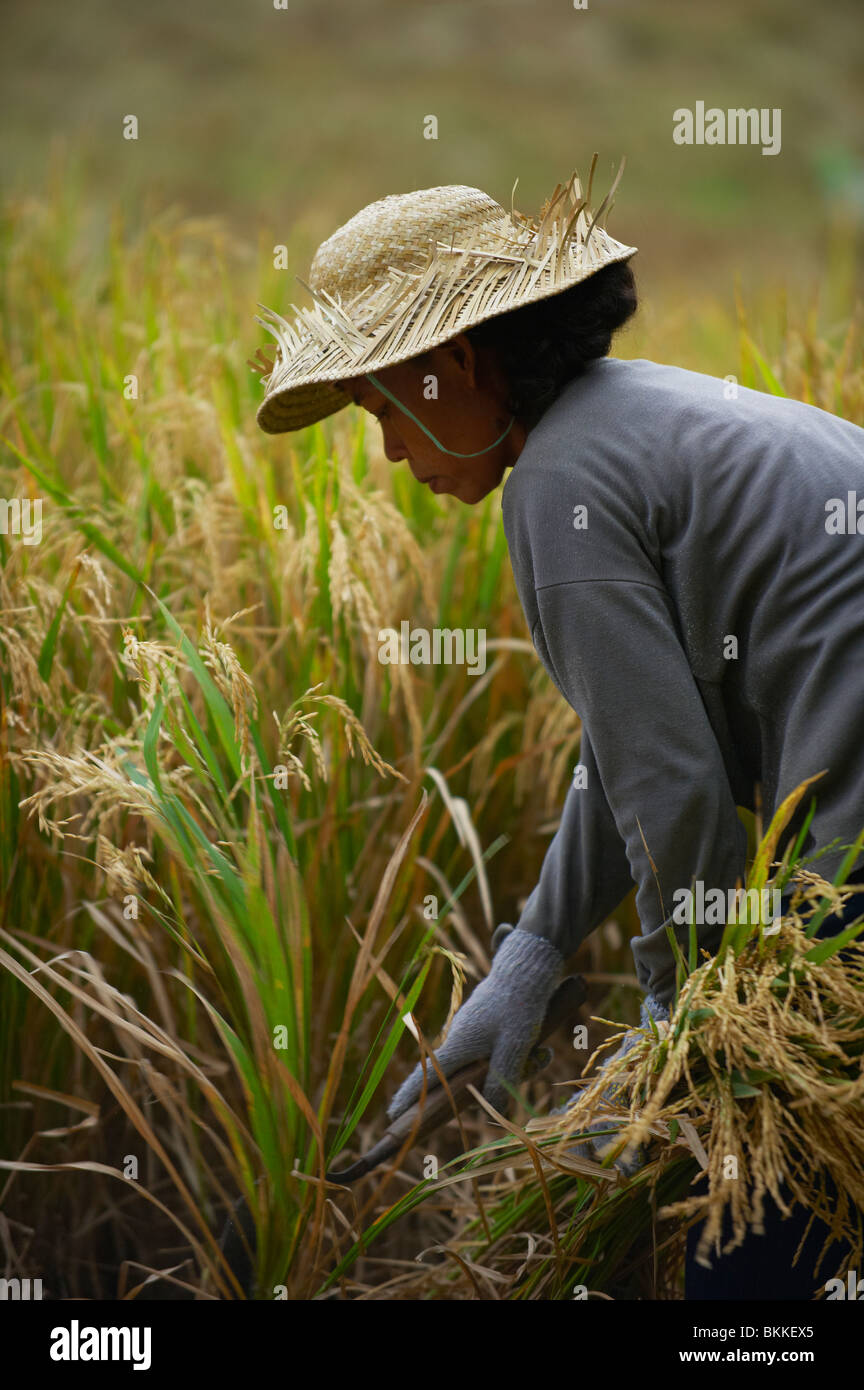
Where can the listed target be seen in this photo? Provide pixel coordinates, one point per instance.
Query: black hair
(541, 346)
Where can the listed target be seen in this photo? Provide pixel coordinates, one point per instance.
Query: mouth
(436, 483)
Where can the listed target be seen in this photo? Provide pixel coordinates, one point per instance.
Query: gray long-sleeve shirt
(704, 615)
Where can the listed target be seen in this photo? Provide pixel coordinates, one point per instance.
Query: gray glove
(501, 1020)
(595, 1148)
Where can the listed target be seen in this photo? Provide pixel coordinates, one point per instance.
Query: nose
(394, 449)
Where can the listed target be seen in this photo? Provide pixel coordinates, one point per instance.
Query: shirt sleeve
(615, 652)
(586, 872)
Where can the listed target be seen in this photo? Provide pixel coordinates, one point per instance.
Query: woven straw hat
(413, 270)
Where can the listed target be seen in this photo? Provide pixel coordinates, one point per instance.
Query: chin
(468, 491)
(468, 497)
(476, 493)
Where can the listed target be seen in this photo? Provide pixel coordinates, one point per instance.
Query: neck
(514, 443)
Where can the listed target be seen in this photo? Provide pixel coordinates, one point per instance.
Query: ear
(463, 355)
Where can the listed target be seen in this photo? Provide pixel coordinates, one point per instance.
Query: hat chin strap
(429, 434)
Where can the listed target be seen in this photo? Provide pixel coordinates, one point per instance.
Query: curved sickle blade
(563, 1007)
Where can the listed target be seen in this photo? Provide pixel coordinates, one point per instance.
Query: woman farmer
(679, 557)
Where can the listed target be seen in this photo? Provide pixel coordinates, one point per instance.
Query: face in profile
(459, 396)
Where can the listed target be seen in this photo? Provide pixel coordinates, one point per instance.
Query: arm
(586, 872)
(617, 658)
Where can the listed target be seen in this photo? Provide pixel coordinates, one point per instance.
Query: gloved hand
(501, 1020)
(596, 1149)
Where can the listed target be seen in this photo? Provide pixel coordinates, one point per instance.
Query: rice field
(235, 847)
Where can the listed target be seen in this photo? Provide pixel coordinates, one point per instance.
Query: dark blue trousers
(761, 1267)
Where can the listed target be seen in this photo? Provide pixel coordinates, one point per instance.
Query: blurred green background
(266, 126)
(287, 121)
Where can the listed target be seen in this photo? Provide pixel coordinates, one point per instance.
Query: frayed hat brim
(409, 308)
